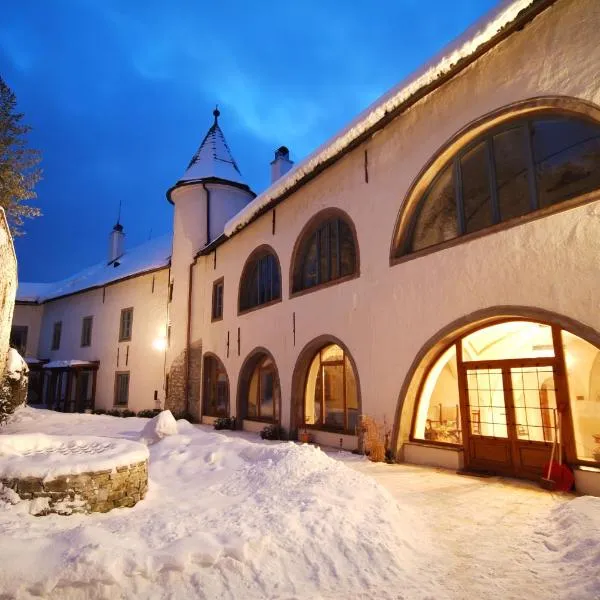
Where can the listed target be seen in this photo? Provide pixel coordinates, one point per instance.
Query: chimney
(116, 243)
(282, 163)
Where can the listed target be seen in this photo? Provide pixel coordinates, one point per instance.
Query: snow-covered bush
(13, 386)
(273, 432)
(225, 423)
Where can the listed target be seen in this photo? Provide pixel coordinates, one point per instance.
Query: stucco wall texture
(387, 314)
(8, 287)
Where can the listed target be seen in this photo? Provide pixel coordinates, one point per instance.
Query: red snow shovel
(558, 476)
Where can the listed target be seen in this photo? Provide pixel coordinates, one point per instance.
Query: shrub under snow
(13, 386)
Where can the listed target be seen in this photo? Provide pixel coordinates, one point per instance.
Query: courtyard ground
(229, 516)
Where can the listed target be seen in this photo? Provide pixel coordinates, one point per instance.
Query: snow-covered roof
(65, 364)
(151, 255)
(478, 38)
(213, 158)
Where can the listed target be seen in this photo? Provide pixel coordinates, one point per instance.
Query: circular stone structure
(67, 474)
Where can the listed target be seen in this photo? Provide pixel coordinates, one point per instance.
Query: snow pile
(224, 517)
(45, 456)
(65, 364)
(16, 367)
(158, 427)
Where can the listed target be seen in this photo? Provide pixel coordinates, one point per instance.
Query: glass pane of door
(534, 398)
(487, 409)
(333, 395)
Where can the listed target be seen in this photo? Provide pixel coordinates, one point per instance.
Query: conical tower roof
(213, 158)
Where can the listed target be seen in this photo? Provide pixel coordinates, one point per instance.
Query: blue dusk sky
(120, 93)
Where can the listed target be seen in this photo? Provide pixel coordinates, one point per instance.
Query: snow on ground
(230, 517)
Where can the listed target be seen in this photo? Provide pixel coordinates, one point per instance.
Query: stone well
(64, 474)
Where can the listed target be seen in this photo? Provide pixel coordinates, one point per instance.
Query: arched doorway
(215, 401)
(500, 389)
(259, 392)
(325, 388)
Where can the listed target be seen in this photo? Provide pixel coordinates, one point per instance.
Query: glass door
(488, 445)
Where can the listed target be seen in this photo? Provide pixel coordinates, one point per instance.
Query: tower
(210, 192)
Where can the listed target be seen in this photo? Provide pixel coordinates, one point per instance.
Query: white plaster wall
(387, 314)
(144, 362)
(189, 235)
(30, 316)
(225, 202)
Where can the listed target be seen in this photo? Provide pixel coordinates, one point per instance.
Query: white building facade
(434, 266)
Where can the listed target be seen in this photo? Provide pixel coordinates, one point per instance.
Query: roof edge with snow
(477, 40)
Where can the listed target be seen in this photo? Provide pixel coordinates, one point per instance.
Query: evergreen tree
(19, 171)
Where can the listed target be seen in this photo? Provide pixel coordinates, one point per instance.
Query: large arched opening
(499, 387)
(326, 398)
(259, 391)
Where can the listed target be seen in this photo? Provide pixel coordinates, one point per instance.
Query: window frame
(322, 364)
(258, 370)
(315, 223)
(122, 335)
(86, 343)
(486, 127)
(119, 374)
(255, 257)
(56, 338)
(215, 314)
(22, 329)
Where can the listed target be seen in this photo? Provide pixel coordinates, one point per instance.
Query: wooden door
(509, 409)
(486, 431)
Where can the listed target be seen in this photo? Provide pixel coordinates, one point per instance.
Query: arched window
(216, 388)
(520, 167)
(326, 252)
(262, 401)
(331, 393)
(261, 280)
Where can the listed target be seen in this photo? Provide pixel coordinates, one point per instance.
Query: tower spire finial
(216, 113)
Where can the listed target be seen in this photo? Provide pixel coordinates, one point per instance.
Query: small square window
(126, 325)
(56, 333)
(18, 338)
(86, 331)
(122, 389)
(217, 300)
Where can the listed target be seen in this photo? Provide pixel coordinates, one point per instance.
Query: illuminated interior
(531, 387)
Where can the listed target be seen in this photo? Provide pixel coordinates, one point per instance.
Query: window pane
(511, 159)
(351, 396)
(313, 393)
(476, 188)
(436, 218)
(324, 253)
(332, 353)
(309, 264)
(347, 249)
(253, 395)
(534, 398)
(266, 394)
(567, 158)
(333, 395)
(583, 373)
(438, 414)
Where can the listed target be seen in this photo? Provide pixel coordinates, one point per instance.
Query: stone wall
(98, 491)
(177, 396)
(8, 287)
